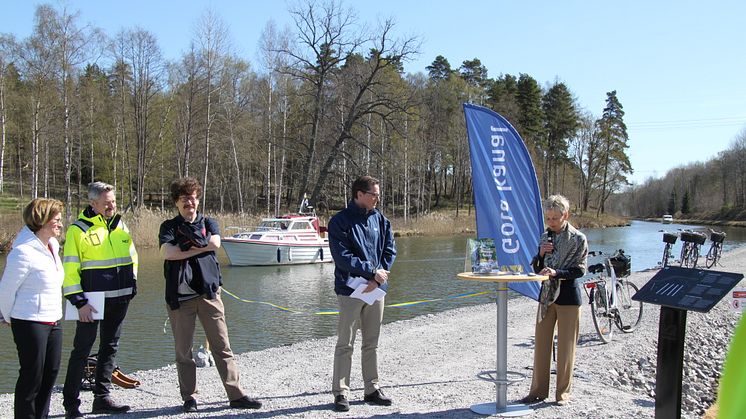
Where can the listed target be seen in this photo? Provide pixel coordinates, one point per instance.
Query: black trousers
(85, 336)
(39, 351)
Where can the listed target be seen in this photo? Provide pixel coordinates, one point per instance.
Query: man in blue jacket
(362, 245)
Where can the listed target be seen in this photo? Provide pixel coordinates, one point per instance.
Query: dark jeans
(39, 351)
(85, 336)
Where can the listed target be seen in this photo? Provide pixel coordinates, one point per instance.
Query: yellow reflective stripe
(83, 226)
(72, 289)
(106, 262)
(118, 293)
(70, 259)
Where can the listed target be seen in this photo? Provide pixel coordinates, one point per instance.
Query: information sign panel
(687, 289)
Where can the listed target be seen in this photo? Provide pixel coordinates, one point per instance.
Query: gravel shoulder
(428, 365)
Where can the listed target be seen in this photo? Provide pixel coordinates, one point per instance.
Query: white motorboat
(285, 240)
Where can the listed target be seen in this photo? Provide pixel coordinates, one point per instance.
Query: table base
(509, 411)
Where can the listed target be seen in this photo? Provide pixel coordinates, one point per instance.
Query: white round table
(502, 377)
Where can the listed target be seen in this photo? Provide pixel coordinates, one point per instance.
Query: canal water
(425, 269)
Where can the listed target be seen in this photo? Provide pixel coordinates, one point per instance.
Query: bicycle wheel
(710, 257)
(684, 258)
(629, 311)
(718, 253)
(666, 255)
(602, 319)
(713, 255)
(693, 256)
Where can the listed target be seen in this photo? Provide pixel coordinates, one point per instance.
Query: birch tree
(211, 37)
(143, 57)
(69, 46)
(273, 41)
(7, 45)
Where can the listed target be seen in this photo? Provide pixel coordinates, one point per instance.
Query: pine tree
(530, 123)
(685, 203)
(672, 203)
(440, 69)
(614, 138)
(561, 123)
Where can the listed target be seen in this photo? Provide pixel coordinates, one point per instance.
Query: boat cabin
(286, 228)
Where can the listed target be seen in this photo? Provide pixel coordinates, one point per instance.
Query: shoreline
(428, 365)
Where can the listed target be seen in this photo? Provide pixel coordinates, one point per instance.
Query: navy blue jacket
(361, 242)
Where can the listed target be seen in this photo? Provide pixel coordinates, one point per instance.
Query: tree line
(713, 189)
(328, 101)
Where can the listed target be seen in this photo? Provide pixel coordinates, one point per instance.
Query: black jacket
(201, 272)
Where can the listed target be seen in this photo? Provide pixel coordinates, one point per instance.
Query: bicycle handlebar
(597, 268)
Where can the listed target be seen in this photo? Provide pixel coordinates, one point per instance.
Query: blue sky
(678, 66)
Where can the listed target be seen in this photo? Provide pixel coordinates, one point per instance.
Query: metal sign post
(678, 290)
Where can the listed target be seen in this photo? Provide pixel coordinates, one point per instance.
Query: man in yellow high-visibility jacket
(100, 256)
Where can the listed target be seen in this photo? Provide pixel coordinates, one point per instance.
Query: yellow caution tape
(325, 313)
(260, 302)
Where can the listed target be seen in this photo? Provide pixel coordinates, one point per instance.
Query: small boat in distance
(667, 219)
(285, 240)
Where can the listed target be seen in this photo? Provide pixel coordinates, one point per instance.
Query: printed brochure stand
(678, 290)
(502, 377)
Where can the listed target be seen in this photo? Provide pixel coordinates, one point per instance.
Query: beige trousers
(354, 314)
(211, 314)
(567, 319)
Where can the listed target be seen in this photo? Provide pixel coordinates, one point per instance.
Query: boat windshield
(269, 225)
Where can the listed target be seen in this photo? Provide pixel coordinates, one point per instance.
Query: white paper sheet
(95, 299)
(355, 281)
(368, 297)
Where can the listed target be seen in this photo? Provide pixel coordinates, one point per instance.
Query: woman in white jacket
(31, 301)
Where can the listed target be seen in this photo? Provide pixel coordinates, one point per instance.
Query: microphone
(550, 236)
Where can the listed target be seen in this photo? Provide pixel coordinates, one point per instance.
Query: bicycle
(691, 242)
(716, 248)
(610, 296)
(670, 240)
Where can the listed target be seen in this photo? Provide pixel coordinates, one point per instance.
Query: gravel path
(428, 365)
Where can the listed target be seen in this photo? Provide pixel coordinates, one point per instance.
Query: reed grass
(145, 223)
(439, 223)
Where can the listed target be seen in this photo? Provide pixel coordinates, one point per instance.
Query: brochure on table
(481, 257)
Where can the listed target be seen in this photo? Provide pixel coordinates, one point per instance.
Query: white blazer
(31, 288)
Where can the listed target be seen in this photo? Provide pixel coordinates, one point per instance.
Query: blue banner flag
(506, 193)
